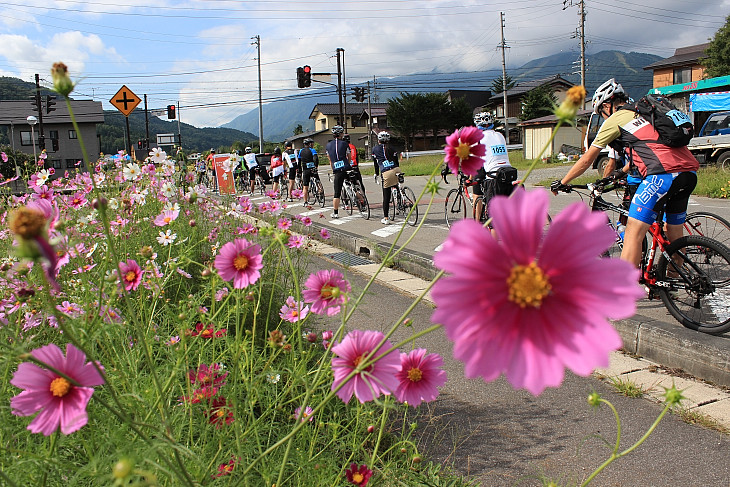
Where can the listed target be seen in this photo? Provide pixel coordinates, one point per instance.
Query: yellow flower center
(357, 477)
(221, 413)
(463, 151)
(240, 262)
(415, 375)
(528, 285)
(294, 313)
(130, 276)
(60, 387)
(167, 219)
(330, 292)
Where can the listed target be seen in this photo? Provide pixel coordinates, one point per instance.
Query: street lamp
(32, 121)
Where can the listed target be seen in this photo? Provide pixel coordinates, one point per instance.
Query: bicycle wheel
(348, 198)
(454, 207)
(484, 214)
(409, 202)
(698, 298)
(284, 192)
(319, 192)
(362, 202)
(709, 225)
(394, 202)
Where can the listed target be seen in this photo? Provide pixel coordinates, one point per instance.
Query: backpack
(504, 178)
(673, 126)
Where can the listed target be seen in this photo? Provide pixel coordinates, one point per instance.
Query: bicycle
(353, 195)
(691, 275)
(316, 190)
(455, 206)
(403, 202)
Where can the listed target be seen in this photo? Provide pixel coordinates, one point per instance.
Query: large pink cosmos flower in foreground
(419, 377)
(378, 378)
(131, 274)
(240, 261)
(60, 402)
(326, 291)
(464, 151)
(530, 304)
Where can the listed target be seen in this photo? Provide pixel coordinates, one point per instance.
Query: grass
(692, 416)
(627, 387)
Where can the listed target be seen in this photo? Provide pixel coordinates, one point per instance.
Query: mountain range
(280, 118)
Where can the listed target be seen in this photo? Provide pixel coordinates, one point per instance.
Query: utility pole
(582, 36)
(146, 125)
(257, 43)
(41, 136)
(504, 79)
(370, 123)
(344, 92)
(179, 134)
(339, 84)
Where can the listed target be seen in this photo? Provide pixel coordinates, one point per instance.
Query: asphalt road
(503, 437)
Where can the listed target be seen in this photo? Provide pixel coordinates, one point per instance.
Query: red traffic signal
(170, 111)
(304, 77)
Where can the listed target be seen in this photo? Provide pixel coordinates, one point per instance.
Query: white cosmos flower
(166, 238)
(170, 206)
(157, 155)
(167, 189)
(42, 176)
(131, 171)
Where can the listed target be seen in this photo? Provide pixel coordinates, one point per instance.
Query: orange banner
(226, 184)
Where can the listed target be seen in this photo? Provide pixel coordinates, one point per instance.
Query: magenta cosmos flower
(60, 402)
(464, 151)
(378, 378)
(326, 291)
(293, 310)
(131, 274)
(239, 261)
(358, 475)
(531, 303)
(419, 377)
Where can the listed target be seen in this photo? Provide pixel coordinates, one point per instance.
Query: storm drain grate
(348, 259)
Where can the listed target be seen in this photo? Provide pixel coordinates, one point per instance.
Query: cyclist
(338, 152)
(241, 169)
(210, 166)
(495, 158)
(200, 168)
(293, 163)
(277, 168)
(253, 166)
(669, 173)
(354, 160)
(386, 164)
(309, 160)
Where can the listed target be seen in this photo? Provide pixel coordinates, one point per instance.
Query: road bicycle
(690, 275)
(316, 190)
(243, 183)
(353, 195)
(403, 202)
(459, 201)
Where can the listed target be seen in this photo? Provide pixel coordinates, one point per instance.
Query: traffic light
(304, 77)
(139, 145)
(359, 93)
(50, 101)
(170, 112)
(54, 145)
(300, 77)
(34, 102)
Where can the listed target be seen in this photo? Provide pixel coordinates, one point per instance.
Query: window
(25, 138)
(72, 134)
(53, 134)
(56, 163)
(682, 75)
(71, 163)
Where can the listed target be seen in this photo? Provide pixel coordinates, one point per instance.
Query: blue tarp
(709, 102)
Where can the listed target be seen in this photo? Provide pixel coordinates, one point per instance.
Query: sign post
(125, 101)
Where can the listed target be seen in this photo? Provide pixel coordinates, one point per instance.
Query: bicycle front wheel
(695, 285)
(455, 207)
(348, 199)
(409, 203)
(482, 208)
(709, 225)
(362, 202)
(319, 191)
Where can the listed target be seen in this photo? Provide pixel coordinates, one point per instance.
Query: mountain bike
(316, 190)
(353, 195)
(403, 202)
(690, 275)
(459, 202)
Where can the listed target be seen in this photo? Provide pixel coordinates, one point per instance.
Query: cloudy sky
(200, 53)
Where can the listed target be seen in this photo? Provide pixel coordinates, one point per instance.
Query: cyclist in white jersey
(252, 165)
(495, 157)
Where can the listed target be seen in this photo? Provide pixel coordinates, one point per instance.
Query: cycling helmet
(484, 119)
(307, 141)
(248, 150)
(212, 150)
(346, 137)
(337, 130)
(606, 92)
(383, 137)
(277, 151)
(288, 144)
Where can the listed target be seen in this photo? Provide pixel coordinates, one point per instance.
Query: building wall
(68, 149)
(535, 138)
(665, 76)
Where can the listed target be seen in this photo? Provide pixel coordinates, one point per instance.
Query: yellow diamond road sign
(125, 101)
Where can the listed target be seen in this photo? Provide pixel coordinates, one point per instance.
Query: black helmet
(277, 151)
(212, 150)
(288, 143)
(346, 137)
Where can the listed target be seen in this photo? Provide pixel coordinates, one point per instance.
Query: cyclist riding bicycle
(354, 160)
(669, 173)
(385, 159)
(309, 160)
(496, 174)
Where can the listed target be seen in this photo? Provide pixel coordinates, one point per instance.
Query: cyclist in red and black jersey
(669, 173)
(354, 160)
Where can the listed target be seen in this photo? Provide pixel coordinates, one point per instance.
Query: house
(558, 85)
(61, 140)
(537, 133)
(327, 115)
(681, 79)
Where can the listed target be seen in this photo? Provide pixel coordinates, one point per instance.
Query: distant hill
(280, 118)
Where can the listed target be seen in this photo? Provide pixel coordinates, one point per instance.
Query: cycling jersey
(250, 159)
(308, 158)
(626, 131)
(386, 158)
(339, 153)
(496, 155)
(353, 155)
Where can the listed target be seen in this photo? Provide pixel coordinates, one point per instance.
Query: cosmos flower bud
(61, 82)
(574, 99)
(27, 223)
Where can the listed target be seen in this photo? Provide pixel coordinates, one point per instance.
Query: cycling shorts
(656, 190)
(293, 173)
(306, 176)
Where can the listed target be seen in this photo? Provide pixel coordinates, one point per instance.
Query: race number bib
(310, 165)
(499, 149)
(338, 164)
(388, 164)
(678, 117)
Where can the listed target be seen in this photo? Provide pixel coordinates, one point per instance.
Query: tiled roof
(526, 86)
(683, 56)
(352, 108)
(85, 111)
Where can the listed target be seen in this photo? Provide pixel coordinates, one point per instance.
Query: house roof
(526, 86)
(85, 111)
(351, 108)
(374, 112)
(682, 56)
(552, 119)
(304, 135)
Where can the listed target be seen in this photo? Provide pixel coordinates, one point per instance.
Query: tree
(538, 102)
(497, 85)
(298, 129)
(402, 113)
(717, 62)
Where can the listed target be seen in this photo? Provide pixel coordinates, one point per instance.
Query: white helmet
(248, 150)
(338, 130)
(383, 137)
(606, 92)
(484, 118)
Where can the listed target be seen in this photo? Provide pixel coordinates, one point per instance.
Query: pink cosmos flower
(293, 311)
(246, 228)
(377, 378)
(60, 402)
(239, 261)
(419, 377)
(4, 157)
(358, 475)
(77, 200)
(221, 412)
(227, 468)
(208, 376)
(304, 415)
(131, 274)
(326, 291)
(297, 193)
(324, 233)
(166, 217)
(295, 241)
(306, 221)
(283, 223)
(535, 306)
(464, 150)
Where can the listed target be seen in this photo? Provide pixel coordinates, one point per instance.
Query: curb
(703, 356)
